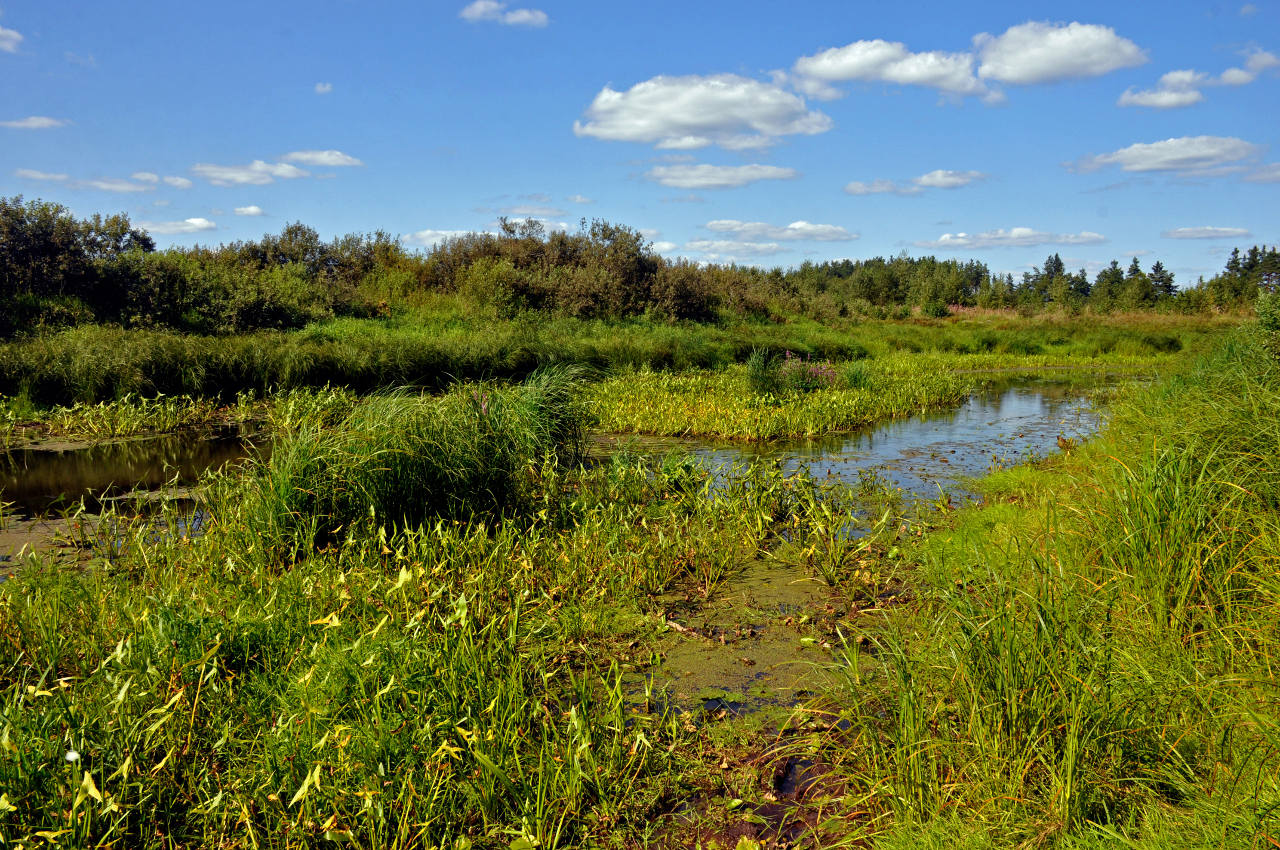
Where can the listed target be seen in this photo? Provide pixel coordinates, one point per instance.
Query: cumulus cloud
(251, 210)
(665, 247)
(9, 40)
(890, 62)
(579, 199)
(189, 225)
(1206, 233)
(329, 159)
(1182, 88)
(145, 177)
(755, 231)
(729, 249)
(256, 173)
(705, 176)
(491, 10)
(323, 88)
(690, 112)
(427, 238)
(1248, 9)
(941, 178)
(1186, 155)
(945, 179)
(32, 174)
(1043, 52)
(1014, 237)
(34, 122)
(178, 182)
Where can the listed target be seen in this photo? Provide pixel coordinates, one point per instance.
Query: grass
(444, 341)
(422, 623)
(756, 401)
(1091, 663)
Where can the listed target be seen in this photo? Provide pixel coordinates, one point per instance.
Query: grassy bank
(435, 345)
(1091, 659)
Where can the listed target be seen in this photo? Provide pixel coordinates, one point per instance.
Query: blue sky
(754, 132)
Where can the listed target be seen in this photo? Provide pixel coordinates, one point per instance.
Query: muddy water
(41, 483)
(760, 641)
(40, 479)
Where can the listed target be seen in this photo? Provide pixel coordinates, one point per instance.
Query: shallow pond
(40, 479)
(751, 646)
(1000, 426)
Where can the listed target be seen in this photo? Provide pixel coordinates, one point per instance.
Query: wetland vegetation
(442, 612)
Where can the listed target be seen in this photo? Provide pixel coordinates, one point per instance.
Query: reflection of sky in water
(919, 454)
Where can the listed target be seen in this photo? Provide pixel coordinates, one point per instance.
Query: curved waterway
(752, 646)
(1001, 426)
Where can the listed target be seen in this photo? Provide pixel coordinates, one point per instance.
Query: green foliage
(935, 310)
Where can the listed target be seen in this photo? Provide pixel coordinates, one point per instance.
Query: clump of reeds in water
(401, 458)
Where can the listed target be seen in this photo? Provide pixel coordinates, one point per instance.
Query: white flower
(73, 756)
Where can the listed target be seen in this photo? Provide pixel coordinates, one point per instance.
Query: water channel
(741, 650)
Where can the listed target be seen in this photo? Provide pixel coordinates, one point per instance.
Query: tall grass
(400, 459)
(443, 342)
(1095, 665)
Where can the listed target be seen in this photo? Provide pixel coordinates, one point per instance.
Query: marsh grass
(1092, 661)
(442, 341)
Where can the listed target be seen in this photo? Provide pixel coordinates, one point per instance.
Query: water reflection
(1001, 426)
(39, 480)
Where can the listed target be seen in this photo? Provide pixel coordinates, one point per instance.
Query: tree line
(57, 270)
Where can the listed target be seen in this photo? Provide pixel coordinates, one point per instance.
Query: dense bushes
(59, 271)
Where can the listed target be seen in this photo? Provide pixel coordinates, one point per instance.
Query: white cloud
(890, 62)
(1206, 233)
(717, 176)
(1043, 52)
(690, 112)
(145, 177)
(112, 184)
(427, 238)
(1182, 88)
(728, 249)
(329, 159)
(1248, 9)
(1163, 96)
(665, 247)
(9, 40)
(32, 174)
(531, 211)
(178, 182)
(103, 184)
(252, 210)
(190, 225)
(579, 199)
(1015, 237)
(1269, 173)
(1256, 61)
(324, 88)
(941, 178)
(797, 230)
(1186, 154)
(491, 10)
(945, 179)
(879, 187)
(34, 122)
(256, 173)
